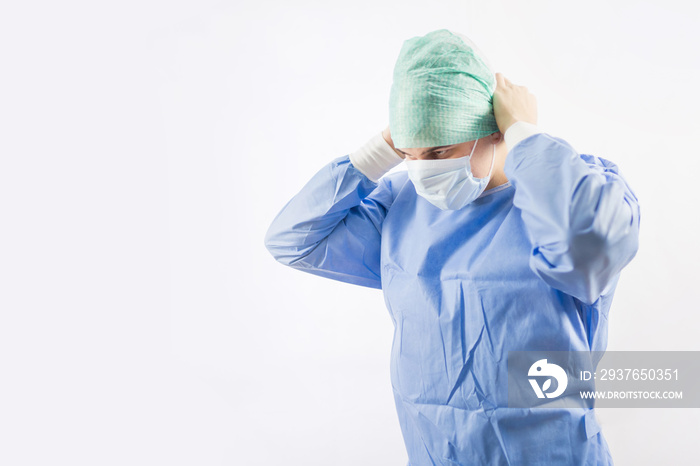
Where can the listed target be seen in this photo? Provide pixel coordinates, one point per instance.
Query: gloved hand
(386, 134)
(512, 103)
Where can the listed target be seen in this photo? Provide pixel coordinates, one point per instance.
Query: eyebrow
(429, 150)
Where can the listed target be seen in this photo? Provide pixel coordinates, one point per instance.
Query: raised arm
(580, 214)
(332, 227)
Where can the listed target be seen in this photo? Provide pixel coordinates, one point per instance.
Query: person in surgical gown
(530, 263)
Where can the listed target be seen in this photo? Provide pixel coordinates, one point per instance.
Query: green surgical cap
(442, 92)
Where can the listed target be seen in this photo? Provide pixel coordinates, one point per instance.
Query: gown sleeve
(332, 227)
(580, 214)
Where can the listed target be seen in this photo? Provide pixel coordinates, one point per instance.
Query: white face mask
(448, 184)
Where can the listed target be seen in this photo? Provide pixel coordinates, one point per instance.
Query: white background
(147, 145)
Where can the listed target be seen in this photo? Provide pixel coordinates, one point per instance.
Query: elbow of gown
(332, 227)
(602, 238)
(583, 224)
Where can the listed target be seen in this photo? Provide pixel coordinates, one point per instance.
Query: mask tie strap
(493, 161)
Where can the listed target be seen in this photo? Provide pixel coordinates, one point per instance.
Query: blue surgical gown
(529, 265)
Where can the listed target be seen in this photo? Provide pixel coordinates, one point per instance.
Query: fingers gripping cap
(442, 92)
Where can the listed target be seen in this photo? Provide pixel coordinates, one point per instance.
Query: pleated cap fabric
(442, 92)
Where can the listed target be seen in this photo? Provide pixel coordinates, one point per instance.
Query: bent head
(440, 107)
